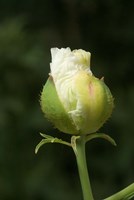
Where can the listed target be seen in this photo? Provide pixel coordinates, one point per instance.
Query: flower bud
(73, 99)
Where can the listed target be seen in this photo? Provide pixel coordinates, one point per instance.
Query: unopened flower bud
(73, 99)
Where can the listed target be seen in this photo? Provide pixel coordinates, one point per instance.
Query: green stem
(82, 167)
(124, 194)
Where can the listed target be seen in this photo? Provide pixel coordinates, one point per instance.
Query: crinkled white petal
(64, 66)
(67, 62)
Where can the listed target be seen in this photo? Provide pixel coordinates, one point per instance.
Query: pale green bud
(73, 99)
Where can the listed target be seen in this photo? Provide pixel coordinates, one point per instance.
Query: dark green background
(28, 29)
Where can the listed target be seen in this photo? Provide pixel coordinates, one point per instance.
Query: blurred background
(28, 29)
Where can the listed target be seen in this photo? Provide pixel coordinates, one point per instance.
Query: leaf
(101, 135)
(49, 139)
(42, 142)
(46, 136)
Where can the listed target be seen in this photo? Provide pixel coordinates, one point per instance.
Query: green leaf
(42, 142)
(46, 136)
(50, 139)
(100, 135)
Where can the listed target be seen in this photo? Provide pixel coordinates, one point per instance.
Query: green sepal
(54, 110)
(101, 135)
(50, 139)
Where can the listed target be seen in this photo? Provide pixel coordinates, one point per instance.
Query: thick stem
(82, 168)
(125, 194)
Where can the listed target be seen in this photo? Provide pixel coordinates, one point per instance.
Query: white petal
(64, 66)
